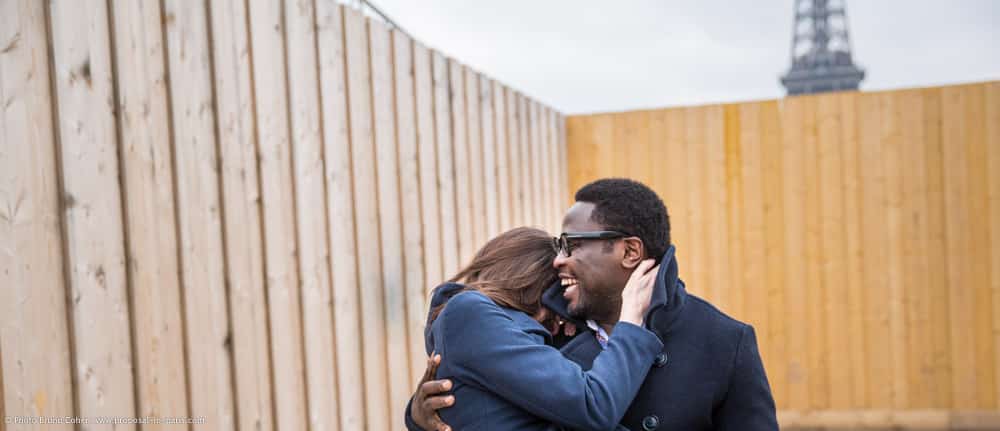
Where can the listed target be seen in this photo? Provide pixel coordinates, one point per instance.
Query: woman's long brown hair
(513, 270)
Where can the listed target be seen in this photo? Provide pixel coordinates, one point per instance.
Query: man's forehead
(577, 218)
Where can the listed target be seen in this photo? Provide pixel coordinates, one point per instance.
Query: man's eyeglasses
(562, 244)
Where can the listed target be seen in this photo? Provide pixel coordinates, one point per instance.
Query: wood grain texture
(242, 226)
(36, 376)
(855, 231)
(267, 43)
(93, 218)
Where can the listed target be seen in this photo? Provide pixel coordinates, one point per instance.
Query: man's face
(593, 274)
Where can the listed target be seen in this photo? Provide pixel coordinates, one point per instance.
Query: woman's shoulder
(467, 304)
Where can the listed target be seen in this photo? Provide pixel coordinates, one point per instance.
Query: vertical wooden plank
(410, 185)
(34, 376)
(876, 314)
(817, 354)
(556, 182)
(310, 198)
(961, 292)
(504, 180)
(514, 158)
(387, 168)
(490, 171)
(735, 210)
(527, 176)
(912, 173)
(536, 187)
(446, 158)
(579, 144)
(940, 335)
(673, 153)
(280, 243)
(833, 266)
(463, 182)
(772, 168)
(715, 207)
(548, 168)
(891, 141)
(694, 143)
(199, 219)
(340, 213)
(795, 288)
(854, 314)
(242, 216)
(430, 193)
(476, 176)
(151, 223)
(977, 256)
(992, 118)
(564, 191)
(544, 176)
(93, 220)
(363, 153)
(751, 279)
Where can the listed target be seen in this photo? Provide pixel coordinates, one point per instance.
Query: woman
(489, 331)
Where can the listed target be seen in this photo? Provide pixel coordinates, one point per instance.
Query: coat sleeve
(748, 404)
(408, 418)
(487, 349)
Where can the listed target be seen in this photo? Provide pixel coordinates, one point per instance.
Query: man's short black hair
(631, 207)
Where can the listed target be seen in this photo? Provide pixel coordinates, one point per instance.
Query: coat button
(650, 423)
(661, 360)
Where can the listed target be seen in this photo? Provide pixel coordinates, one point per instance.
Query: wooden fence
(858, 232)
(233, 209)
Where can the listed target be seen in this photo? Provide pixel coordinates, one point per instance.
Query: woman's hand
(638, 292)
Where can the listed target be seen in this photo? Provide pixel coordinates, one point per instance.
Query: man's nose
(559, 261)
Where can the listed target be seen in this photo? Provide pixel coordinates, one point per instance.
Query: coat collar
(665, 305)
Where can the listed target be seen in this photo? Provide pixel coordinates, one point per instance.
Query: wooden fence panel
(431, 189)
(860, 240)
(491, 188)
(505, 179)
(294, 178)
(278, 200)
(524, 161)
(242, 227)
(93, 224)
(476, 175)
(462, 161)
(340, 213)
(992, 119)
(199, 219)
(411, 184)
(311, 220)
(392, 247)
(35, 348)
(148, 183)
(446, 165)
(363, 153)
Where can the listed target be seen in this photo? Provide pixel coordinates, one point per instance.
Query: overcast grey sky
(583, 56)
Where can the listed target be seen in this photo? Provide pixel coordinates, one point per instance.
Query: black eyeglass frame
(561, 243)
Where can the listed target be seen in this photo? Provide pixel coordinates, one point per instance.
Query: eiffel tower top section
(821, 50)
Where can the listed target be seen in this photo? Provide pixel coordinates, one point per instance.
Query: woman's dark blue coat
(507, 377)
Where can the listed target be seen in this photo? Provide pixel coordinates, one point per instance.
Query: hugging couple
(592, 330)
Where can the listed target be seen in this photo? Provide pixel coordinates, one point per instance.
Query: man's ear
(634, 252)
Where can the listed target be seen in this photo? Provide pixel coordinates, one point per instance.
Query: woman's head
(513, 269)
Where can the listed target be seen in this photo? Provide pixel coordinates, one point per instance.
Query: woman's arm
(483, 346)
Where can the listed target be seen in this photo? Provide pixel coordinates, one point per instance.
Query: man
(709, 375)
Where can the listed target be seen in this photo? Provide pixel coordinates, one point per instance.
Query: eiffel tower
(821, 50)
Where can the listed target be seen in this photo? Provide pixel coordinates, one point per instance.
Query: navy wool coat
(709, 375)
(507, 376)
